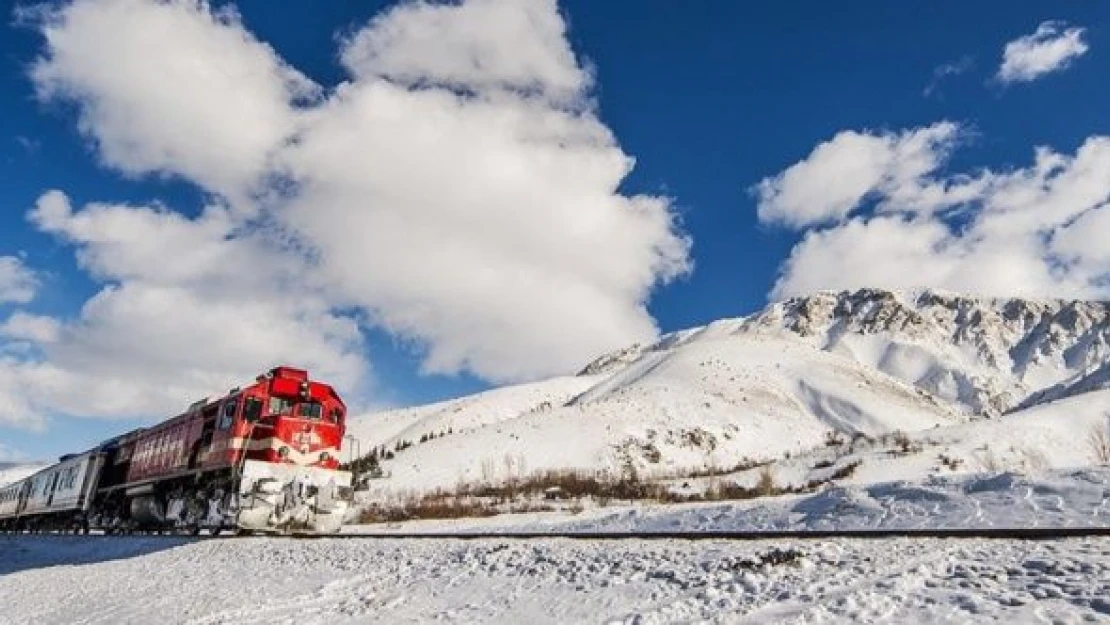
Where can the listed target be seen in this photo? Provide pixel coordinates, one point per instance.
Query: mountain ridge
(776, 382)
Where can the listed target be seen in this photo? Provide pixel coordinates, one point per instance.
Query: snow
(987, 355)
(976, 384)
(46, 580)
(467, 413)
(1004, 501)
(711, 400)
(1051, 499)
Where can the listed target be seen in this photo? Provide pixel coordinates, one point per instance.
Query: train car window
(310, 410)
(228, 414)
(252, 409)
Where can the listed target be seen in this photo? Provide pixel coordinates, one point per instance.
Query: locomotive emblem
(306, 439)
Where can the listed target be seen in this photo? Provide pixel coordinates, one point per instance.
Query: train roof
(115, 441)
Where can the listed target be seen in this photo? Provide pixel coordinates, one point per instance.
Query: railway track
(1036, 533)
(1025, 533)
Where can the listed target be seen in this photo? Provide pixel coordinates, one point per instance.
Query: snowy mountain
(988, 355)
(784, 384)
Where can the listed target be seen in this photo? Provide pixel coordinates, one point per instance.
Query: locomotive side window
(252, 409)
(228, 414)
(336, 415)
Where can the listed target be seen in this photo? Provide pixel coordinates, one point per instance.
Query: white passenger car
(61, 489)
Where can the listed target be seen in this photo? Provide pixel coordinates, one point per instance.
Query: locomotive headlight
(325, 456)
(283, 452)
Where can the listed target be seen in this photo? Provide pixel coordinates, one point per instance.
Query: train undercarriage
(269, 498)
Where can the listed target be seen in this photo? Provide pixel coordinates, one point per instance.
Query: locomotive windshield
(280, 405)
(310, 410)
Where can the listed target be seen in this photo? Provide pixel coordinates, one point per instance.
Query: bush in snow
(1098, 439)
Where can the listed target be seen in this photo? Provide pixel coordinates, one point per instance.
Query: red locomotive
(263, 457)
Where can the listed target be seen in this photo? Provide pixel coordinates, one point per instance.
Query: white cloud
(459, 192)
(22, 326)
(941, 72)
(171, 87)
(190, 307)
(485, 227)
(1084, 240)
(17, 282)
(1033, 231)
(9, 454)
(450, 45)
(839, 174)
(1051, 48)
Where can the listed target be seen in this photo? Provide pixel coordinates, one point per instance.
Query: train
(261, 458)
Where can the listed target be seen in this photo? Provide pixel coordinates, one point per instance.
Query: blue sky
(710, 99)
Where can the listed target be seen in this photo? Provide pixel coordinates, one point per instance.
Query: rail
(1023, 533)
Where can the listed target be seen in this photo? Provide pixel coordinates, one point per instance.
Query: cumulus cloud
(840, 173)
(190, 307)
(1051, 48)
(484, 225)
(171, 87)
(22, 326)
(17, 282)
(450, 45)
(458, 191)
(1034, 231)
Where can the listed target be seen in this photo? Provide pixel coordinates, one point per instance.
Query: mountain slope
(988, 355)
(776, 384)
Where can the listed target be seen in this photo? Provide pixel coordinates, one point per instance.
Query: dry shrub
(904, 443)
(988, 461)
(845, 471)
(429, 507)
(1098, 440)
(952, 463)
(526, 494)
(745, 464)
(766, 485)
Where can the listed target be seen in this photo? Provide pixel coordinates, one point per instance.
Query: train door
(207, 433)
(52, 488)
(24, 494)
(226, 437)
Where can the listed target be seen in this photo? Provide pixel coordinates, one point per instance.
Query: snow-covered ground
(46, 580)
(1079, 498)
